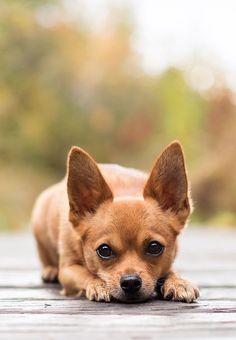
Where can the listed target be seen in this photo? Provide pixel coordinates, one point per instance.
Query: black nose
(130, 283)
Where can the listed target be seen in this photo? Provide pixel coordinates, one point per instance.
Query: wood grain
(32, 310)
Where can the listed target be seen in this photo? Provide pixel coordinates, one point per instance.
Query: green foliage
(63, 85)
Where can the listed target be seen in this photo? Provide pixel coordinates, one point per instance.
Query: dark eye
(154, 248)
(104, 251)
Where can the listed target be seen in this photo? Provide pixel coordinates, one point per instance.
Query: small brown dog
(111, 232)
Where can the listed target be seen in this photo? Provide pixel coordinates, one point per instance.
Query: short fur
(124, 208)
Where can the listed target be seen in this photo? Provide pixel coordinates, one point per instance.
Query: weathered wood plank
(18, 250)
(83, 306)
(20, 278)
(217, 293)
(194, 326)
(31, 293)
(29, 309)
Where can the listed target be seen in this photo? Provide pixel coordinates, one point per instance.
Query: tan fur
(124, 208)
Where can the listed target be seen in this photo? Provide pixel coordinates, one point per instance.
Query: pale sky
(195, 34)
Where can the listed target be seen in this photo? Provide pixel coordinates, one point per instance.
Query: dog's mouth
(132, 298)
(132, 293)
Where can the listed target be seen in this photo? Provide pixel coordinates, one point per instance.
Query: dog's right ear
(86, 187)
(168, 183)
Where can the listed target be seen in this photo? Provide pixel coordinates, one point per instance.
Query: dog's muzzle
(130, 284)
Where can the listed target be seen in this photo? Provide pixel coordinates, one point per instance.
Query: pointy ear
(86, 187)
(168, 183)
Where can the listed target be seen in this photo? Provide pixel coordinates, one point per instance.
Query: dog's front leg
(177, 289)
(77, 280)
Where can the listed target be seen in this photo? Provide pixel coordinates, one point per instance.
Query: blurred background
(121, 79)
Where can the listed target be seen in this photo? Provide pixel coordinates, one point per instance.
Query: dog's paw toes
(179, 290)
(50, 274)
(98, 291)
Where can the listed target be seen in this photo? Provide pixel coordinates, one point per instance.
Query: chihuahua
(109, 232)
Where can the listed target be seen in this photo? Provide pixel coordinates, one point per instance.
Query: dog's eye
(154, 248)
(104, 251)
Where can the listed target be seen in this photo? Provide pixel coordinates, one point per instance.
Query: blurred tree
(62, 84)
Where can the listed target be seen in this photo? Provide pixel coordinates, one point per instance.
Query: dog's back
(123, 181)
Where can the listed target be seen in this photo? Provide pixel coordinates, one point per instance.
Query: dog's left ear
(86, 187)
(168, 183)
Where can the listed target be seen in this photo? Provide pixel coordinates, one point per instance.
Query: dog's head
(130, 243)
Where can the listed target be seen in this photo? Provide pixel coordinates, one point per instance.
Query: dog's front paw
(97, 290)
(50, 274)
(177, 289)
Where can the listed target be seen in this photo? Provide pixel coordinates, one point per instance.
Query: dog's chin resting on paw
(110, 233)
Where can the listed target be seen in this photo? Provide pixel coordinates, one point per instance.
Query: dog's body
(108, 231)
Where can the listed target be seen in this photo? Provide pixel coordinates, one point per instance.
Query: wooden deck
(31, 310)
